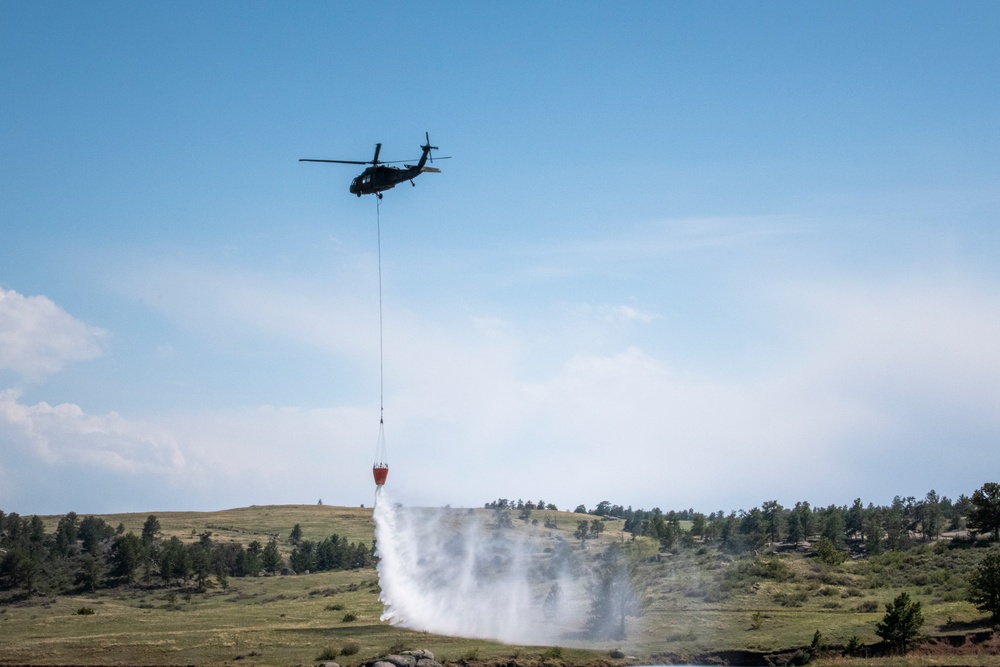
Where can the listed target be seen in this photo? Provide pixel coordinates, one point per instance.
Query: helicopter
(378, 178)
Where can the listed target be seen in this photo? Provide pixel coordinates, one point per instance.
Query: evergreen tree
(303, 558)
(795, 533)
(698, 523)
(20, 567)
(270, 557)
(65, 536)
(773, 519)
(127, 553)
(806, 519)
(930, 515)
(984, 585)
(175, 560)
(854, 520)
(88, 577)
(896, 524)
(834, 525)
(872, 530)
(150, 529)
(900, 627)
(984, 510)
(252, 562)
(612, 597)
(92, 532)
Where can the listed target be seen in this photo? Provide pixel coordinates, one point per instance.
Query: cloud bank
(862, 390)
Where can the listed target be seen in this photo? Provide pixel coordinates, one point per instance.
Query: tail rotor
(427, 147)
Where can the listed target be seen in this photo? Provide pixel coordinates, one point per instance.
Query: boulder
(400, 660)
(428, 662)
(420, 653)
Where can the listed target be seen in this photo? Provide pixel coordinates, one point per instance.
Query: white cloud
(240, 456)
(64, 435)
(37, 337)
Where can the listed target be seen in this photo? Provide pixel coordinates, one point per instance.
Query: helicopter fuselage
(380, 178)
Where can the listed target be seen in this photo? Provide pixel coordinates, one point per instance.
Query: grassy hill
(259, 522)
(695, 599)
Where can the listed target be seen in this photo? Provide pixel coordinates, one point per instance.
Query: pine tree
(984, 512)
(900, 627)
(984, 585)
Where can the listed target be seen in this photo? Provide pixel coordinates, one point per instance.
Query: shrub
(829, 553)
(334, 607)
(796, 599)
(867, 607)
(84, 611)
(350, 648)
(349, 617)
(327, 654)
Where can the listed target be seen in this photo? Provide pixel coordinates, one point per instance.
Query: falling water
(466, 573)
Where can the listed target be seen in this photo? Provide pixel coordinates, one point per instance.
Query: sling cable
(381, 467)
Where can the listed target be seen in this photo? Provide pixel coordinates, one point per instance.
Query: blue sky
(684, 254)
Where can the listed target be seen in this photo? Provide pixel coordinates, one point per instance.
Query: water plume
(470, 573)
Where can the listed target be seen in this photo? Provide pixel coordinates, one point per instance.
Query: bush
(327, 654)
(349, 649)
(796, 599)
(349, 617)
(84, 611)
(829, 553)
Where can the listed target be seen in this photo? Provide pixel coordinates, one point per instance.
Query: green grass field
(695, 600)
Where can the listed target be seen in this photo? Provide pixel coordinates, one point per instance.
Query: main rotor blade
(337, 161)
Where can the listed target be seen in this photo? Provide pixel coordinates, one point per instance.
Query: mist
(470, 573)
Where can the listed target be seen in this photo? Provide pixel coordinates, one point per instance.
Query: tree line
(872, 528)
(86, 554)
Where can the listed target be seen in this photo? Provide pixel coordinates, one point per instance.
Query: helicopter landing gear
(378, 194)
(413, 184)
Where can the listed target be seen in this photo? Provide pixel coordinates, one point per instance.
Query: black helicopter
(378, 177)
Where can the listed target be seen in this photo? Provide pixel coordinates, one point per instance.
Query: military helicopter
(378, 178)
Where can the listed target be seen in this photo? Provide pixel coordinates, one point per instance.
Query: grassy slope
(691, 605)
(258, 522)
